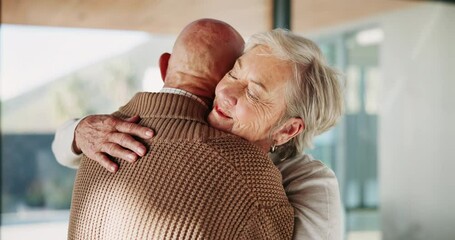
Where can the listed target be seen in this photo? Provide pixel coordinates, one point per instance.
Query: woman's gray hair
(313, 94)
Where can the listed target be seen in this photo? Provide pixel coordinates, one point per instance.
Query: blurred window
(350, 148)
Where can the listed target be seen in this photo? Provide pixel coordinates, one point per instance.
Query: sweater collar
(184, 93)
(165, 105)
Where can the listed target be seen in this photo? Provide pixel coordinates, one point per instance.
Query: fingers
(134, 129)
(105, 162)
(115, 150)
(128, 142)
(133, 119)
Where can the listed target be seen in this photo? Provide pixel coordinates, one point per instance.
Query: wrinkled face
(250, 98)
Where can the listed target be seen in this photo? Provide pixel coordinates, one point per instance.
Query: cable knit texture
(195, 182)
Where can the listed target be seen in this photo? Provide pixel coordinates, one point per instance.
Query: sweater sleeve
(269, 223)
(62, 146)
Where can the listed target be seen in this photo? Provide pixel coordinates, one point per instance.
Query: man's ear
(164, 61)
(291, 128)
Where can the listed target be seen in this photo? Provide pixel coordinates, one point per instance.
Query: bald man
(200, 183)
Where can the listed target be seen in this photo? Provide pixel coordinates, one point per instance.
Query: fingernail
(149, 133)
(132, 157)
(141, 151)
(112, 168)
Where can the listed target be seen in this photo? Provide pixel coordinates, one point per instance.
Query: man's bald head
(204, 51)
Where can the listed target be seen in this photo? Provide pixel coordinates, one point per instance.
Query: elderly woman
(279, 95)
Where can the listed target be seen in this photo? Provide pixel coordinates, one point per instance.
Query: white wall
(417, 123)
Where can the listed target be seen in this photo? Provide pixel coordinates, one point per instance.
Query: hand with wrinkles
(98, 136)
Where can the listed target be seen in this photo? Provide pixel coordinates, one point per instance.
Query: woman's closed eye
(231, 75)
(251, 95)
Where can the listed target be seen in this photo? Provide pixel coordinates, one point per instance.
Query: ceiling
(170, 16)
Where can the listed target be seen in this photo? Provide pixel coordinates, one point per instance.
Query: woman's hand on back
(100, 136)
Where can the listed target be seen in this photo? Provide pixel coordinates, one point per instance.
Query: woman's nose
(229, 95)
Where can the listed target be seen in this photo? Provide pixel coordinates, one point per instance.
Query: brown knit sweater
(195, 182)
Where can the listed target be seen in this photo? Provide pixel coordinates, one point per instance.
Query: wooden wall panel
(313, 15)
(170, 16)
(157, 16)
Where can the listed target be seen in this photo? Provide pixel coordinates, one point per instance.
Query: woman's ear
(164, 62)
(291, 128)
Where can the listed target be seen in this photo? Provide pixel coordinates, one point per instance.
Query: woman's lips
(220, 112)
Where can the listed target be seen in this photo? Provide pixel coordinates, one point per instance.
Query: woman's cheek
(244, 114)
(247, 124)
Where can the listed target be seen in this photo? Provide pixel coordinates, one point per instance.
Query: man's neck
(184, 93)
(192, 84)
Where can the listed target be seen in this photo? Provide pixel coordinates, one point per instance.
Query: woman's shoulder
(304, 166)
(312, 189)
